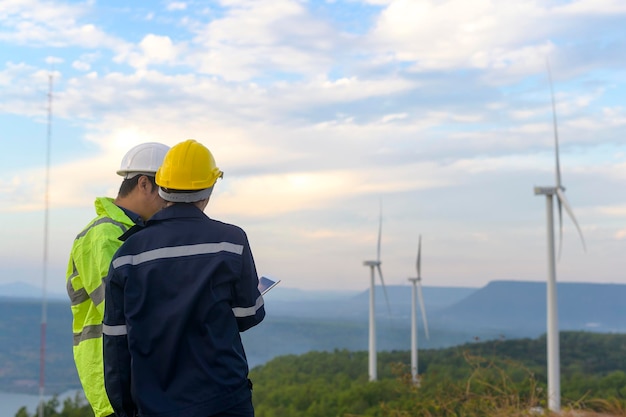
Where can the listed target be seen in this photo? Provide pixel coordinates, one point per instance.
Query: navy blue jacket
(178, 293)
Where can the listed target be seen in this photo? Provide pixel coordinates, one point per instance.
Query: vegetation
(496, 378)
(72, 407)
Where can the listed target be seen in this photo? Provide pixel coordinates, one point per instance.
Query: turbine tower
(417, 289)
(554, 371)
(375, 266)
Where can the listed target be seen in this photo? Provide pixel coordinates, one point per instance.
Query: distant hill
(400, 296)
(20, 325)
(23, 290)
(522, 306)
(299, 322)
(355, 305)
(284, 293)
(512, 308)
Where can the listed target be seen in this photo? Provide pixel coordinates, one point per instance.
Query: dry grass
(491, 391)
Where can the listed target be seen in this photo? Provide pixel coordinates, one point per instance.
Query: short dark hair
(129, 184)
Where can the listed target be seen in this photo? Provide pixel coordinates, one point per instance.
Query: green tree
(72, 407)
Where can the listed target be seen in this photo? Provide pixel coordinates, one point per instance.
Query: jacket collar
(176, 210)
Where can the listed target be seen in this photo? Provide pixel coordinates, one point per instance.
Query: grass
(495, 388)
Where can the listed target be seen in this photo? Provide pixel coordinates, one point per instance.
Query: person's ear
(145, 184)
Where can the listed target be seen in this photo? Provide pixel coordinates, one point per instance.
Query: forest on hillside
(492, 378)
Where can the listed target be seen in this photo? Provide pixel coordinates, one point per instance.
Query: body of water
(11, 402)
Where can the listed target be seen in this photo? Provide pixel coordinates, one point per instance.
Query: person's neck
(128, 204)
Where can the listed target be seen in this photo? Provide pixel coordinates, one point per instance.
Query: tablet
(266, 284)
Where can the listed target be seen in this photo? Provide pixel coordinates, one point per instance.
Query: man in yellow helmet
(179, 292)
(91, 254)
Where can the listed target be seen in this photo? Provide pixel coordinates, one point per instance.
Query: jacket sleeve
(92, 262)
(248, 305)
(117, 372)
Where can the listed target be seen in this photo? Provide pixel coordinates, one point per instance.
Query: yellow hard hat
(188, 165)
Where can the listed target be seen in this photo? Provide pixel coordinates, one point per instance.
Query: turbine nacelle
(545, 190)
(559, 191)
(548, 190)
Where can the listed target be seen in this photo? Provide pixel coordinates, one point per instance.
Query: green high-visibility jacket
(89, 262)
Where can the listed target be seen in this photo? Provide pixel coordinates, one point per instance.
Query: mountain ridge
(505, 309)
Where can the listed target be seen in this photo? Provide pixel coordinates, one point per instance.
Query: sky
(325, 117)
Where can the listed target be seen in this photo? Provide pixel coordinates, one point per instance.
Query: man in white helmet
(179, 292)
(91, 254)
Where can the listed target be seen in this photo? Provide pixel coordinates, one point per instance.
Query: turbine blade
(556, 133)
(380, 274)
(422, 307)
(419, 257)
(380, 229)
(560, 211)
(567, 207)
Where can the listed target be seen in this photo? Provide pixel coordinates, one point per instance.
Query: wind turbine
(417, 289)
(554, 372)
(375, 266)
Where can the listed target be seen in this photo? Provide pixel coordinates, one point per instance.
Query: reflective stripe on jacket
(89, 262)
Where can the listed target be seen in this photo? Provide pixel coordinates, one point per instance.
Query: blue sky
(318, 111)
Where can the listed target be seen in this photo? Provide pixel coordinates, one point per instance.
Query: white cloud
(50, 23)
(255, 37)
(391, 117)
(152, 49)
(312, 126)
(292, 192)
(81, 65)
(487, 34)
(591, 7)
(176, 6)
(53, 60)
(85, 61)
(458, 33)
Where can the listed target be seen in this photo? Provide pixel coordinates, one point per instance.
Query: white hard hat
(143, 159)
